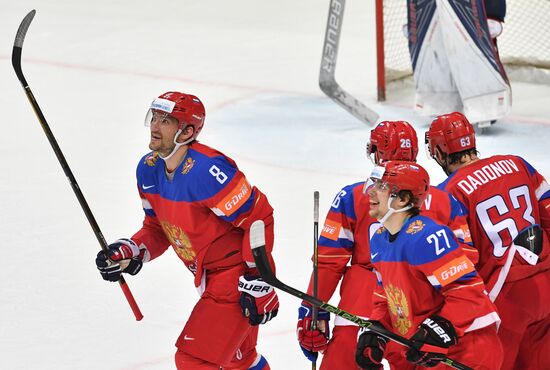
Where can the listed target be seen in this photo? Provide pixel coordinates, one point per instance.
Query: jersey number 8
(218, 174)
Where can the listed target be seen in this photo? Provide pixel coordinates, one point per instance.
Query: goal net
(524, 45)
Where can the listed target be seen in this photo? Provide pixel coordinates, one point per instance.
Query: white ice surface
(94, 67)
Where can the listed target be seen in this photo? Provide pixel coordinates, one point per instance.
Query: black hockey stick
(315, 263)
(257, 243)
(16, 62)
(327, 81)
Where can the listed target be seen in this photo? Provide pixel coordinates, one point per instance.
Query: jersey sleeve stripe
(346, 234)
(150, 212)
(543, 191)
(147, 208)
(145, 204)
(335, 256)
(464, 286)
(433, 280)
(340, 243)
(483, 321)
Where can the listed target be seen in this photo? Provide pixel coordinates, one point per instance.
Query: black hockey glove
(431, 342)
(370, 349)
(123, 256)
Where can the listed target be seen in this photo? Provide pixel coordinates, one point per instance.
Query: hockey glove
(370, 349)
(431, 342)
(122, 256)
(312, 341)
(259, 302)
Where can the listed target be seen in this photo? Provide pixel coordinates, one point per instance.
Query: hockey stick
(327, 81)
(315, 262)
(257, 243)
(16, 62)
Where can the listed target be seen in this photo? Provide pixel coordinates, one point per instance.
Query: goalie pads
(455, 63)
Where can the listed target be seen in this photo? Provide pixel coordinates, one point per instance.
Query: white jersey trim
(346, 234)
(542, 189)
(483, 321)
(145, 204)
(217, 211)
(503, 273)
(433, 280)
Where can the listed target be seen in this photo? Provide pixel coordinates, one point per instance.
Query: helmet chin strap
(391, 210)
(176, 145)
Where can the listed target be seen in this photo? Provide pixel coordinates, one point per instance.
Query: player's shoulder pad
(530, 168)
(443, 185)
(346, 195)
(345, 199)
(378, 231)
(149, 160)
(210, 170)
(147, 167)
(210, 164)
(429, 239)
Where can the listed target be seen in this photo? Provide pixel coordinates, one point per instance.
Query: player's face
(379, 193)
(163, 129)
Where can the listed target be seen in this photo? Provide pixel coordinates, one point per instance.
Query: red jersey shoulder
(210, 152)
(437, 205)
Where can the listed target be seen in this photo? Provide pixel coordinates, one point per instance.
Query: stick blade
(257, 234)
(347, 101)
(22, 30)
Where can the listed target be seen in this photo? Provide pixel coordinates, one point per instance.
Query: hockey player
(508, 208)
(456, 65)
(428, 290)
(196, 200)
(345, 239)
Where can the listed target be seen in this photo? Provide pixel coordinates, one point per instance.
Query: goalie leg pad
(455, 64)
(474, 61)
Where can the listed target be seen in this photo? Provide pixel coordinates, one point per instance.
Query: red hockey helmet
(186, 108)
(401, 175)
(392, 140)
(451, 133)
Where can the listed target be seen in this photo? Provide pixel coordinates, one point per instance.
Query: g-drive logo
(164, 105)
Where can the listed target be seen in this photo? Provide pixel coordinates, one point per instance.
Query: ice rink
(94, 67)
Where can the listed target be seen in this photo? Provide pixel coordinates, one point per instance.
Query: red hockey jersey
(502, 195)
(204, 212)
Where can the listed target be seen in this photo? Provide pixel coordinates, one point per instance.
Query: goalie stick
(257, 244)
(327, 81)
(16, 62)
